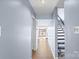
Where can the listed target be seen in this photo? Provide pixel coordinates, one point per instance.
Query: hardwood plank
(43, 51)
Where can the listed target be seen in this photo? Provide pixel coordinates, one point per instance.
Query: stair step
(60, 34)
(61, 37)
(61, 47)
(61, 42)
(60, 31)
(59, 27)
(63, 50)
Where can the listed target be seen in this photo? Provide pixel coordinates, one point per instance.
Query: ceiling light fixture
(43, 1)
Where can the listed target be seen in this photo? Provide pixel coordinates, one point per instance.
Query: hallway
(43, 51)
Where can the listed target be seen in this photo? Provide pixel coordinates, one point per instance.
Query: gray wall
(71, 20)
(15, 22)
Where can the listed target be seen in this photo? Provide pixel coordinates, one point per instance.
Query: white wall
(50, 25)
(60, 12)
(71, 20)
(15, 22)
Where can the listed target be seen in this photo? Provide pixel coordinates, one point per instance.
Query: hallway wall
(33, 43)
(16, 23)
(71, 20)
(54, 17)
(50, 25)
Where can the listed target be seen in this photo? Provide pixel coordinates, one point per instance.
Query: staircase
(61, 41)
(60, 37)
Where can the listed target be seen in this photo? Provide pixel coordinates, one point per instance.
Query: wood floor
(44, 51)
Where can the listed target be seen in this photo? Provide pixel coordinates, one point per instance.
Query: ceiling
(61, 4)
(45, 10)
